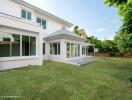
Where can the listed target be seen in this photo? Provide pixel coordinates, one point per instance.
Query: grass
(105, 79)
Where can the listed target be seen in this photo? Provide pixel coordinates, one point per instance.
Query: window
(32, 46)
(44, 48)
(78, 50)
(73, 50)
(59, 48)
(23, 14)
(28, 45)
(55, 48)
(68, 50)
(41, 22)
(50, 48)
(63, 27)
(5, 39)
(83, 50)
(15, 44)
(26, 14)
(25, 45)
(10, 45)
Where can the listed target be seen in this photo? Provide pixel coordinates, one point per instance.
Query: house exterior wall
(63, 55)
(21, 61)
(11, 21)
(14, 9)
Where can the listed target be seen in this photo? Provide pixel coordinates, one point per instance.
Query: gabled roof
(43, 12)
(63, 32)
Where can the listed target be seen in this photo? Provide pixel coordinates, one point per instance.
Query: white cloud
(101, 30)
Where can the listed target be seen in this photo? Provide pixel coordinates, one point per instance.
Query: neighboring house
(82, 32)
(29, 35)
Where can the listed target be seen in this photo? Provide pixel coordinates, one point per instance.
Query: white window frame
(26, 14)
(20, 57)
(57, 48)
(40, 24)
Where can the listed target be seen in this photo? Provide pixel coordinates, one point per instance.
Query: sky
(92, 15)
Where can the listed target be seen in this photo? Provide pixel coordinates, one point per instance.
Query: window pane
(83, 50)
(44, 48)
(15, 43)
(5, 39)
(78, 50)
(51, 48)
(72, 49)
(39, 21)
(59, 48)
(44, 24)
(32, 46)
(55, 48)
(29, 15)
(87, 51)
(23, 14)
(25, 45)
(68, 50)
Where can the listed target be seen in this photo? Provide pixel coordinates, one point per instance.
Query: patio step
(83, 61)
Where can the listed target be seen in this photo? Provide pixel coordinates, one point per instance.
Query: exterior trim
(43, 12)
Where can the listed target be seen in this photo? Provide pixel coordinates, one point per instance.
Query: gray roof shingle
(64, 32)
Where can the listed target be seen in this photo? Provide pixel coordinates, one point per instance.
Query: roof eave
(63, 36)
(43, 12)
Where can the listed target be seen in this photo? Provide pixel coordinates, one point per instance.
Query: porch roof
(63, 33)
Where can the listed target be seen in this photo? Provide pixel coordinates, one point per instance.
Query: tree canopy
(124, 35)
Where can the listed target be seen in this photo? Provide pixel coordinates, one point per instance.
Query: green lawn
(105, 79)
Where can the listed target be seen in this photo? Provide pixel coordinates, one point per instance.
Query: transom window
(26, 14)
(55, 48)
(11, 44)
(41, 22)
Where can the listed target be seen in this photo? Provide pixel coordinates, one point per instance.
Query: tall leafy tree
(124, 35)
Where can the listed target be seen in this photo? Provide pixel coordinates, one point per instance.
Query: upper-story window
(41, 22)
(26, 14)
(63, 27)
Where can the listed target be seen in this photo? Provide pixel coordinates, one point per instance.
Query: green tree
(124, 41)
(124, 35)
(76, 30)
(109, 46)
(103, 46)
(94, 40)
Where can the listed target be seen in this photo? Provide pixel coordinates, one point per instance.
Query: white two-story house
(29, 35)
